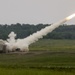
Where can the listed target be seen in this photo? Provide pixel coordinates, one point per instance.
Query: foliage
(24, 30)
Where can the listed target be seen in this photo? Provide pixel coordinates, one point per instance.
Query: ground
(46, 57)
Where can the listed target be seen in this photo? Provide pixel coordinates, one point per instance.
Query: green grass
(37, 60)
(56, 45)
(46, 57)
(34, 72)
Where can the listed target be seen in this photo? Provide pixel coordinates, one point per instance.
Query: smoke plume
(11, 41)
(23, 44)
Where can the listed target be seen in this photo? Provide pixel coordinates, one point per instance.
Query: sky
(35, 11)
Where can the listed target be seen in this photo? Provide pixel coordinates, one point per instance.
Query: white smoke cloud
(11, 41)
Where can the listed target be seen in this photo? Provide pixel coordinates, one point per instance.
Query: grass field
(53, 45)
(46, 57)
(34, 72)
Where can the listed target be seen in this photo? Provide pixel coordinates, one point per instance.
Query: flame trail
(23, 44)
(70, 17)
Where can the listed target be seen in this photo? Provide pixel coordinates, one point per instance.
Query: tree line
(23, 30)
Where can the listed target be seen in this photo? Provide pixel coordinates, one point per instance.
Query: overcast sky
(35, 11)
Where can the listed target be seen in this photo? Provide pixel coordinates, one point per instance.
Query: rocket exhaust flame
(23, 44)
(70, 17)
